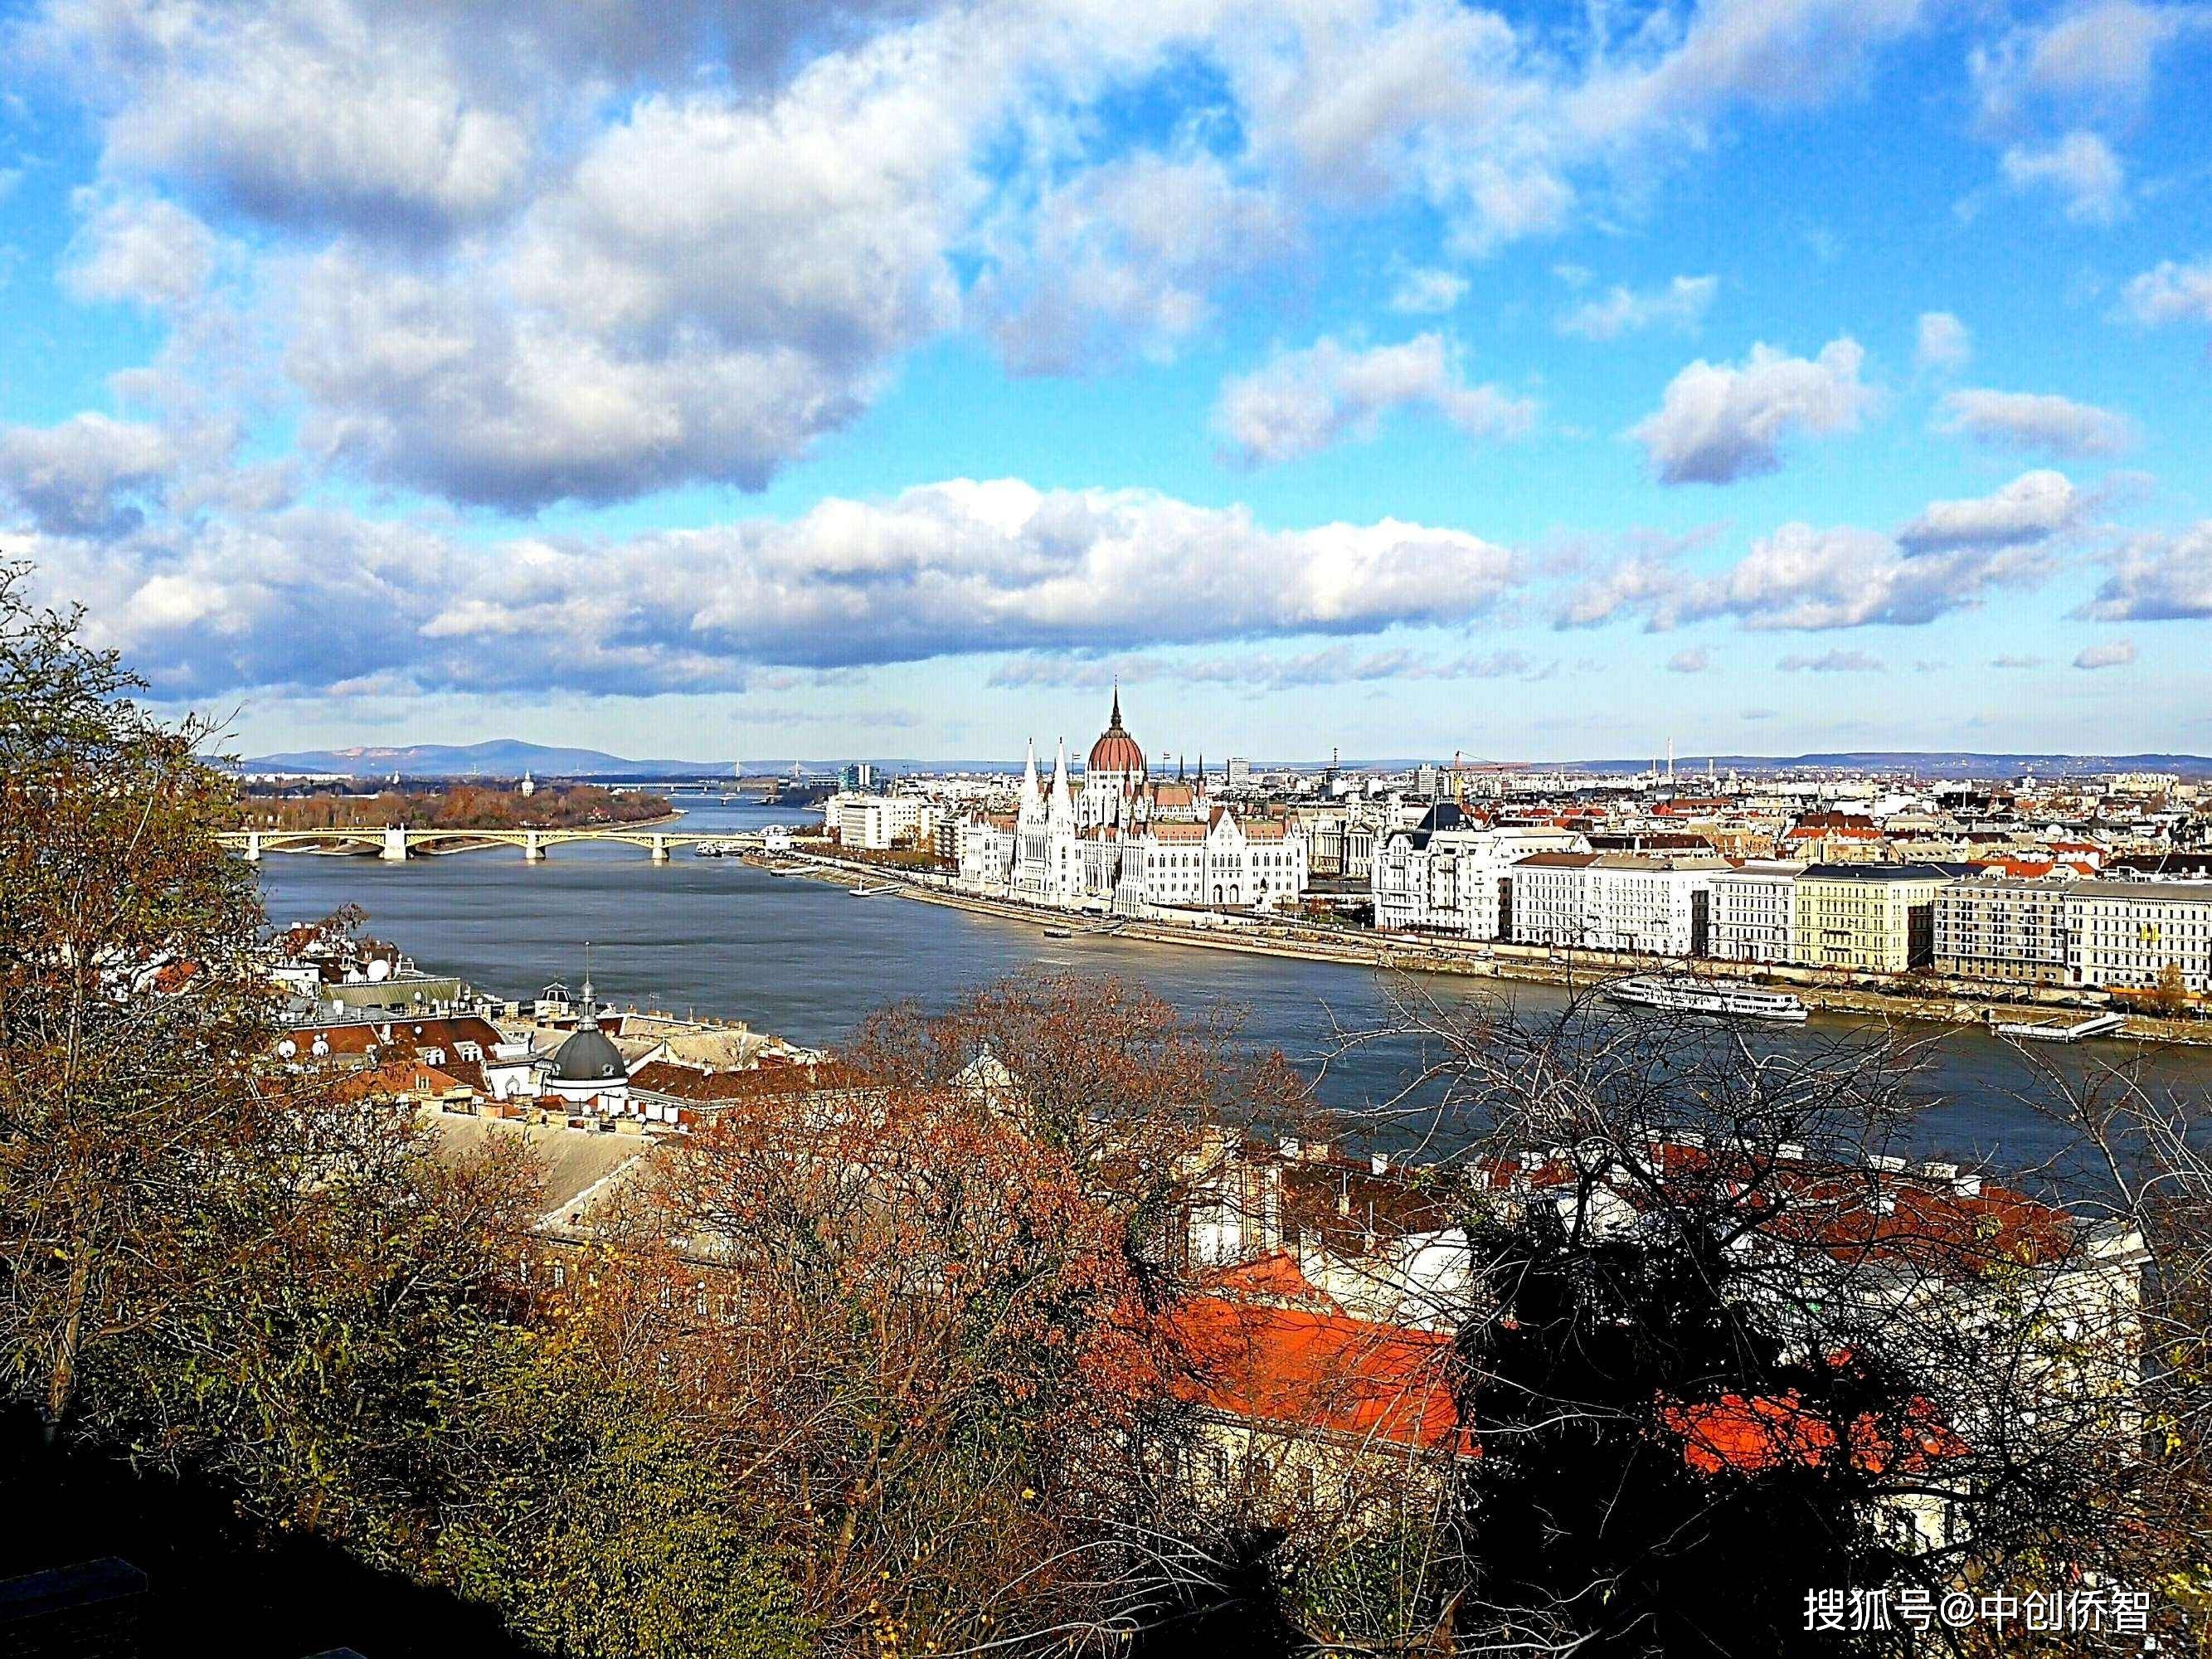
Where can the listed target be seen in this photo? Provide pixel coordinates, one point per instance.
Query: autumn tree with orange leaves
(925, 1321)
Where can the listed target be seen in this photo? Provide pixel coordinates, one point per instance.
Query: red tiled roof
(1767, 1431)
(358, 1036)
(1321, 1372)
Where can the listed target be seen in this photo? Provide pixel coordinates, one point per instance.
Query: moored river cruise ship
(1685, 995)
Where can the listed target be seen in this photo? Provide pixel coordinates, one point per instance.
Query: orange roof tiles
(1321, 1372)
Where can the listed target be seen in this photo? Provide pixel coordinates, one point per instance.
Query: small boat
(871, 892)
(1060, 933)
(1686, 996)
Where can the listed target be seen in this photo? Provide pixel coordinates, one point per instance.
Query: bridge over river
(395, 845)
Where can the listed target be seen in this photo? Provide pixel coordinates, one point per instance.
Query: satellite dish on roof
(379, 970)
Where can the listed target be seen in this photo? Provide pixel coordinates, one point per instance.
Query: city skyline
(892, 378)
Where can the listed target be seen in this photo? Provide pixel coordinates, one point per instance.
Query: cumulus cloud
(464, 224)
(1943, 343)
(1718, 422)
(90, 475)
(624, 338)
(1301, 401)
(1694, 660)
(2172, 293)
(2116, 653)
(140, 250)
(2080, 168)
(1681, 304)
(1832, 662)
(308, 597)
(1805, 578)
(2158, 577)
(2033, 508)
(2036, 421)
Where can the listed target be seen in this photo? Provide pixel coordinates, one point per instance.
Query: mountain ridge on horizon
(510, 757)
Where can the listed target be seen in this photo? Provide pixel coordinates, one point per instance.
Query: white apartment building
(1445, 875)
(877, 823)
(2013, 931)
(1614, 901)
(1754, 911)
(2123, 934)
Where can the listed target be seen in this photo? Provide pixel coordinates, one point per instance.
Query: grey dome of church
(588, 1056)
(588, 1066)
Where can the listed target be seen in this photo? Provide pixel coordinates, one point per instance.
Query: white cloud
(1802, 578)
(1428, 291)
(2036, 421)
(297, 114)
(2097, 59)
(1807, 578)
(1718, 422)
(1301, 401)
(1681, 304)
(624, 337)
(2158, 577)
(1770, 54)
(304, 598)
(1694, 660)
(1125, 256)
(546, 250)
(1832, 662)
(90, 475)
(1334, 664)
(2172, 293)
(2080, 169)
(2033, 508)
(1944, 342)
(2116, 653)
(137, 249)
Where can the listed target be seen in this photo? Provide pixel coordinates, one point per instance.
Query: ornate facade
(1125, 843)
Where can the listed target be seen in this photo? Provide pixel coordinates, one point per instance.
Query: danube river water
(806, 960)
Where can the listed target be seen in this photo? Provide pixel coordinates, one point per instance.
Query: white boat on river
(1681, 994)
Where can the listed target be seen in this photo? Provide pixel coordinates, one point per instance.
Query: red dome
(1116, 750)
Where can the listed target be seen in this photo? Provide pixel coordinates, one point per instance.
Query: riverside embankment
(1925, 999)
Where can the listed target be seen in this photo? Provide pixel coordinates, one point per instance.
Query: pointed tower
(1029, 795)
(1063, 808)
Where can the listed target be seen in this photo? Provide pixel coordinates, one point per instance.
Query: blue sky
(888, 377)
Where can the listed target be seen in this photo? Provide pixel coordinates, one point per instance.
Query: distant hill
(507, 757)
(1927, 763)
(502, 757)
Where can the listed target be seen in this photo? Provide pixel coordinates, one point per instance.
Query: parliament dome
(1116, 750)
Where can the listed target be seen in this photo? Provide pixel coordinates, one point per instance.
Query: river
(807, 961)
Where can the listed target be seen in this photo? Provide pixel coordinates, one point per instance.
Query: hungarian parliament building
(1126, 843)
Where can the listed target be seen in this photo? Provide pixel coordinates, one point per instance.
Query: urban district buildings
(1544, 886)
